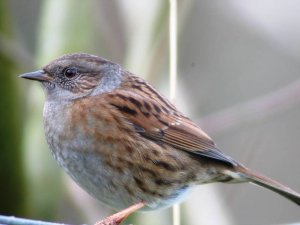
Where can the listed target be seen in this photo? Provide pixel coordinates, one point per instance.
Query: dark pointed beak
(39, 75)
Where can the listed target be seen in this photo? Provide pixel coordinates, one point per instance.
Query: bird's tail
(266, 182)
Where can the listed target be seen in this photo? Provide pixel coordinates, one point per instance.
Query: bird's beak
(39, 75)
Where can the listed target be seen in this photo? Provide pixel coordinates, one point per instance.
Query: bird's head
(77, 75)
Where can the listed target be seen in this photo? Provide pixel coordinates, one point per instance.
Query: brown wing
(160, 121)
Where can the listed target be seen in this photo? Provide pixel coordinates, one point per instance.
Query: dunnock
(126, 144)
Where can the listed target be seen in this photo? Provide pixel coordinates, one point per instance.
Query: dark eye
(70, 72)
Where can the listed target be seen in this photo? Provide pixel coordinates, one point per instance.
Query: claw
(119, 217)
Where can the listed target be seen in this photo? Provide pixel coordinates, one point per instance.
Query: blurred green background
(239, 66)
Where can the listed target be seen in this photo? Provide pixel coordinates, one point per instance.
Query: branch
(11, 220)
(253, 110)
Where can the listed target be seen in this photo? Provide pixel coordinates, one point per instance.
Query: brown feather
(162, 123)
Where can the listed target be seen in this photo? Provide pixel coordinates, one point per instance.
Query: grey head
(77, 75)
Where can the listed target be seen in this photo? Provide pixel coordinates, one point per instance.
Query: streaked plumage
(124, 143)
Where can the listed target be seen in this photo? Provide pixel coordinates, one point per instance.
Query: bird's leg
(119, 217)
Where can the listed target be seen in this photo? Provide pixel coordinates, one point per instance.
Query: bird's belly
(119, 173)
(115, 187)
(89, 171)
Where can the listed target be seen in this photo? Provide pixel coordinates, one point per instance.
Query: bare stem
(173, 76)
(11, 220)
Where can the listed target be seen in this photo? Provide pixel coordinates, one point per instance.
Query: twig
(11, 220)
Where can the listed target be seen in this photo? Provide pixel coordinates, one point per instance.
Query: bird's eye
(70, 72)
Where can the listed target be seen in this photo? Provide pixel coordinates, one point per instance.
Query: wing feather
(165, 126)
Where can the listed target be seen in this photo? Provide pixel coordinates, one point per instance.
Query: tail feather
(270, 184)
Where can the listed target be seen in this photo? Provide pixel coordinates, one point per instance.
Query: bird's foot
(119, 217)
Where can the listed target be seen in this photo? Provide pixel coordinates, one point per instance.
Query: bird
(126, 144)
